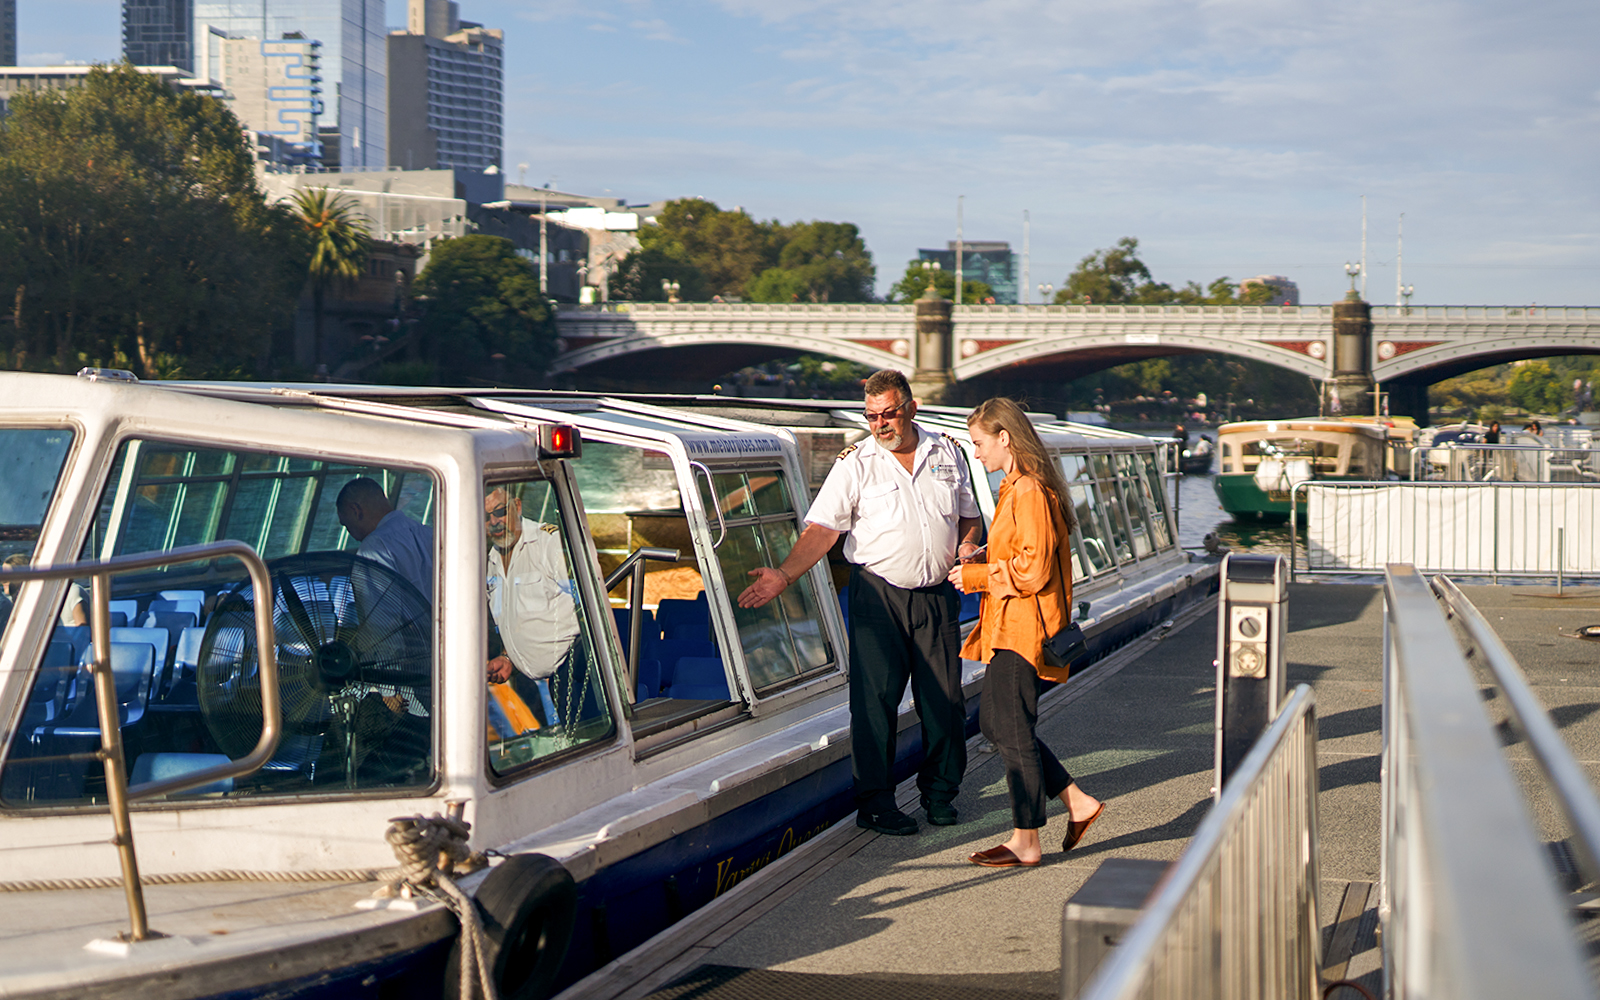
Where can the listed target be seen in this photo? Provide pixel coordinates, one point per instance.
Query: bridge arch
(1086, 355)
(739, 350)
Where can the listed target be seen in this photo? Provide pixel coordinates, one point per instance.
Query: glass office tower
(354, 62)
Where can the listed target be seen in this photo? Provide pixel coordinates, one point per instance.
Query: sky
(1230, 137)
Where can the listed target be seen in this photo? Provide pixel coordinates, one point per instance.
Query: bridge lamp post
(1354, 271)
(1044, 293)
(671, 288)
(930, 269)
(1405, 293)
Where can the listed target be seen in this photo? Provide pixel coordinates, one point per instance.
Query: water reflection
(1199, 514)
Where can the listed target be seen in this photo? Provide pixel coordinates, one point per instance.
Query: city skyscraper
(353, 62)
(446, 90)
(8, 32)
(158, 33)
(274, 88)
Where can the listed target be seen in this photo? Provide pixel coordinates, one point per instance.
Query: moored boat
(1263, 460)
(665, 745)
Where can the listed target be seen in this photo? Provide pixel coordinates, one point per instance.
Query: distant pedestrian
(1492, 435)
(1026, 583)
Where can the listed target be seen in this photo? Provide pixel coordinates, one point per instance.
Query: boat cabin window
(353, 617)
(1148, 480)
(784, 639)
(1139, 518)
(1095, 550)
(632, 497)
(1113, 506)
(546, 689)
(1324, 455)
(35, 457)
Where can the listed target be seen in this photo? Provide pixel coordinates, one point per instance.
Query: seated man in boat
(387, 536)
(530, 600)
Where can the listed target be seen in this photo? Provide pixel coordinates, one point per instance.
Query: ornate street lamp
(670, 287)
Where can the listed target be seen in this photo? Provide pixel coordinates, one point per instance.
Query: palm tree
(338, 240)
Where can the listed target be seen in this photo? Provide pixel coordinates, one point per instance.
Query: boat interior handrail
(1575, 796)
(118, 792)
(1236, 916)
(1469, 903)
(633, 566)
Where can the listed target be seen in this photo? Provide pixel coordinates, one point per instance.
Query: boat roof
(1316, 424)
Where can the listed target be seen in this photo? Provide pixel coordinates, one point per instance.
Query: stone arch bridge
(1350, 344)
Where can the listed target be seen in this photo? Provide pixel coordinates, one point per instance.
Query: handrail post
(105, 692)
(635, 612)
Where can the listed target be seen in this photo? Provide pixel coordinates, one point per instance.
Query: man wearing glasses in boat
(530, 600)
(905, 499)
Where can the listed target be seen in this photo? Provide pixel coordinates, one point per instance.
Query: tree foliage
(485, 318)
(1536, 388)
(915, 281)
(710, 253)
(133, 234)
(336, 239)
(1116, 276)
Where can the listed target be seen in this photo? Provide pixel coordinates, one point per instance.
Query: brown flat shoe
(1076, 828)
(1000, 857)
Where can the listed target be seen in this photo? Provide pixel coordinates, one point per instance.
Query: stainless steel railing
(1236, 918)
(1468, 903)
(1536, 530)
(1505, 463)
(118, 792)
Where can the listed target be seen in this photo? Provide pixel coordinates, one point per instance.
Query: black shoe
(940, 813)
(886, 820)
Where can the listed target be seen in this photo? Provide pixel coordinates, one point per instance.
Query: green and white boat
(1263, 460)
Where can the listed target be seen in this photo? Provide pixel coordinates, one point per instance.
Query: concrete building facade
(353, 64)
(23, 79)
(275, 89)
(158, 33)
(446, 91)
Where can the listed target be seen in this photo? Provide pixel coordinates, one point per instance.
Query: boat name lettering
(730, 445)
(728, 876)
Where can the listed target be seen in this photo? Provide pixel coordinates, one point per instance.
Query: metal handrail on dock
(1469, 905)
(1574, 795)
(119, 794)
(1237, 916)
(1476, 462)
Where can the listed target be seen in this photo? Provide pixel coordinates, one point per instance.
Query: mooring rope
(223, 875)
(430, 850)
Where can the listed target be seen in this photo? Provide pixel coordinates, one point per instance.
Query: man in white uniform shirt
(905, 498)
(530, 598)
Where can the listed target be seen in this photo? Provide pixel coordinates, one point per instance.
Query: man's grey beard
(892, 443)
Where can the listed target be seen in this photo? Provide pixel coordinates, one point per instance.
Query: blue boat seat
(185, 606)
(48, 701)
(648, 629)
(183, 595)
(675, 613)
(173, 623)
(701, 678)
(160, 766)
(132, 670)
(129, 609)
(77, 635)
(159, 638)
(119, 619)
(670, 651)
(649, 679)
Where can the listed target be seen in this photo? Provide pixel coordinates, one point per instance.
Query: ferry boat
(1263, 460)
(677, 743)
(1196, 459)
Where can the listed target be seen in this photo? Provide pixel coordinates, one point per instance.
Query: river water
(1199, 514)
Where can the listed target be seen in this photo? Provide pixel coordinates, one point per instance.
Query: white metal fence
(1237, 917)
(1543, 530)
(1506, 463)
(1469, 905)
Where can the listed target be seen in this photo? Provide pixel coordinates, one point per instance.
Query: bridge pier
(1352, 355)
(934, 351)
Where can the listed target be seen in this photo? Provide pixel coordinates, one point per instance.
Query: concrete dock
(853, 913)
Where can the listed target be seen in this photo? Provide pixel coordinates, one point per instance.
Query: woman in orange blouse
(1027, 597)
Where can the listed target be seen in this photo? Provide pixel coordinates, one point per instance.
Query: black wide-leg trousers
(1008, 715)
(898, 635)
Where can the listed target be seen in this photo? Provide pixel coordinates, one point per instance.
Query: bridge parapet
(1407, 340)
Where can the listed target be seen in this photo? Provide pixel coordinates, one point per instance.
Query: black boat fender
(528, 904)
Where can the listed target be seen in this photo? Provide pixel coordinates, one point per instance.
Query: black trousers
(898, 635)
(1008, 716)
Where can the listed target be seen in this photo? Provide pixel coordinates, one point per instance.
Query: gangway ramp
(873, 912)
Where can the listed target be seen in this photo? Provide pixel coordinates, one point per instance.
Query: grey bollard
(1252, 614)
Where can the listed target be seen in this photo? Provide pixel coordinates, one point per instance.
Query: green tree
(1536, 388)
(133, 233)
(818, 262)
(485, 318)
(337, 244)
(1109, 277)
(915, 281)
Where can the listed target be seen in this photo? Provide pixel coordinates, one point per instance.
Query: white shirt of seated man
(530, 592)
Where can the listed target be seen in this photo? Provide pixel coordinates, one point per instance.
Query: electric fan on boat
(354, 673)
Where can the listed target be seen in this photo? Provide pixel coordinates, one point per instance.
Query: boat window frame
(100, 478)
(585, 575)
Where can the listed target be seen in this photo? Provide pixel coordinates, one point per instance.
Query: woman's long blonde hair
(1001, 414)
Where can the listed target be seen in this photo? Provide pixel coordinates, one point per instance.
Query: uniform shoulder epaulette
(551, 528)
(847, 451)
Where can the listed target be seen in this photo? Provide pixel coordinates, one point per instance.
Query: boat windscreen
(35, 457)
